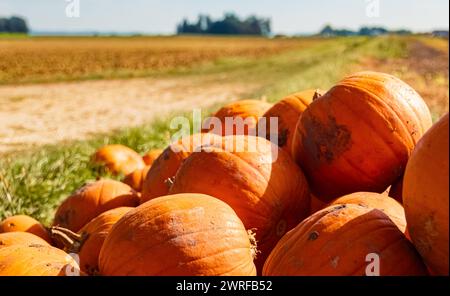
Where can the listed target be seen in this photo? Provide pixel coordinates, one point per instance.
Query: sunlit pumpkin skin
(26, 224)
(396, 190)
(335, 242)
(270, 197)
(20, 238)
(358, 136)
(247, 110)
(136, 179)
(36, 260)
(119, 159)
(150, 156)
(392, 208)
(425, 197)
(183, 234)
(316, 204)
(164, 168)
(89, 240)
(288, 111)
(91, 200)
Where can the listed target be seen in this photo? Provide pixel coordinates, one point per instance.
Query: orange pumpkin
(237, 118)
(343, 240)
(136, 179)
(288, 111)
(119, 159)
(20, 238)
(387, 205)
(150, 156)
(359, 135)
(36, 260)
(426, 194)
(395, 191)
(26, 224)
(91, 200)
(89, 240)
(184, 234)
(164, 168)
(263, 185)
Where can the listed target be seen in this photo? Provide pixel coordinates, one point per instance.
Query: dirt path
(48, 113)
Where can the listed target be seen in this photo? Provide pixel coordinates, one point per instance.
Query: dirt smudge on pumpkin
(335, 261)
(327, 140)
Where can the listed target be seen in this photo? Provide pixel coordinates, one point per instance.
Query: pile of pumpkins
(359, 170)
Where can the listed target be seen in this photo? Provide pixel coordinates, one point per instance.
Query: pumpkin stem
(253, 242)
(72, 241)
(169, 182)
(316, 95)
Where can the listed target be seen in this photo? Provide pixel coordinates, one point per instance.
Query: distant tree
(3, 25)
(366, 31)
(13, 24)
(327, 31)
(229, 25)
(363, 31)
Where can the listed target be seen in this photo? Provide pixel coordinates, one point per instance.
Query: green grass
(34, 182)
(14, 36)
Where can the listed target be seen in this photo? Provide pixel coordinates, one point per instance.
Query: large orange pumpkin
(119, 159)
(359, 135)
(184, 234)
(91, 200)
(136, 179)
(26, 224)
(20, 238)
(265, 187)
(164, 168)
(244, 113)
(36, 260)
(151, 156)
(426, 194)
(378, 201)
(288, 111)
(89, 240)
(343, 240)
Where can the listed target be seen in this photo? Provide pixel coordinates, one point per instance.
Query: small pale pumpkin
(136, 179)
(26, 224)
(119, 159)
(244, 113)
(151, 156)
(91, 200)
(288, 111)
(36, 260)
(163, 170)
(89, 240)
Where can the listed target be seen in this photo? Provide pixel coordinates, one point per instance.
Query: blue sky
(288, 16)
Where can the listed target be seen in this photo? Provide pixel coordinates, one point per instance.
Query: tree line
(230, 24)
(13, 24)
(363, 31)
